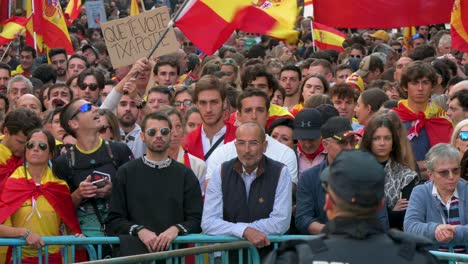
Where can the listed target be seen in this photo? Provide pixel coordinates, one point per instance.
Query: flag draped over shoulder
(48, 22)
(459, 25)
(73, 10)
(327, 37)
(12, 27)
(209, 23)
(381, 13)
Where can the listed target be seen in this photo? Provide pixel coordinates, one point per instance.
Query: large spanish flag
(459, 25)
(48, 22)
(73, 10)
(209, 23)
(11, 28)
(381, 13)
(326, 37)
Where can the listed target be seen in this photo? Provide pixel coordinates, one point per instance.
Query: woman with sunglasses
(110, 125)
(176, 151)
(381, 138)
(36, 202)
(460, 137)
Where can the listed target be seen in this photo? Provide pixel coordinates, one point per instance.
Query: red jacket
(193, 142)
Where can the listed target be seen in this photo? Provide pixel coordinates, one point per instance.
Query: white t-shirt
(275, 150)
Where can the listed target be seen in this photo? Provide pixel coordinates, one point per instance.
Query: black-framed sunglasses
(92, 86)
(42, 145)
(86, 107)
(355, 56)
(185, 103)
(152, 131)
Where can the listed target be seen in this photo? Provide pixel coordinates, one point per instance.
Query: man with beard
(154, 198)
(58, 59)
(127, 113)
(290, 80)
(4, 77)
(210, 95)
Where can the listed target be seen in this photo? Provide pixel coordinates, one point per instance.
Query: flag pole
(169, 26)
(142, 5)
(6, 50)
(313, 40)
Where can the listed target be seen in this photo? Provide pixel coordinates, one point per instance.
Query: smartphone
(98, 178)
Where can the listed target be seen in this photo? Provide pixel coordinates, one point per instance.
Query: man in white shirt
(253, 105)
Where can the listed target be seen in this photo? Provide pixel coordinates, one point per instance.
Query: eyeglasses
(185, 103)
(86, 107)
(242, 143)
(463, 135)
(152, 131)
(446, 173)
(355, 56)
(42, 145)
(104, 129)
(185, 44)
(92, 86)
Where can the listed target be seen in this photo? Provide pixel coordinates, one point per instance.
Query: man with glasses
(89, 166)
(154, 198)
(90, 83)
(250, 195)
(337, 135)
(437, 209)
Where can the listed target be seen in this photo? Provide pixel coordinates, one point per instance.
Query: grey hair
(441, 152)
(20, 78)
(456, 131)
(445, 39)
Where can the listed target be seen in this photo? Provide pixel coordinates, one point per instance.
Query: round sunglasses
(42, 145)
(152, 131)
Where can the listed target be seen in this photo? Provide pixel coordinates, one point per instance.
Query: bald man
(30, 102)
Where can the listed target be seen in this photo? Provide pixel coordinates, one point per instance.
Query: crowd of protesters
(91, 150)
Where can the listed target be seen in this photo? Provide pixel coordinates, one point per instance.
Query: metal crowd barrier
(203, 244)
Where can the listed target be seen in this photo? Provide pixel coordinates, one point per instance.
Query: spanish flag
(459, 25)
(326, 37)
(73, 11)
(408, 33)
(47, 15)
(8, 164)
(11, 28)
(215, 20)
(134, 7)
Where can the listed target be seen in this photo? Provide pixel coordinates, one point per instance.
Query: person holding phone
(35, 203)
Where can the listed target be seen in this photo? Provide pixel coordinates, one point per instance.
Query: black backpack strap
(111, 154)
(208, 154)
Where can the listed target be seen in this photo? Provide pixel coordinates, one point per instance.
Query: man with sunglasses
(437, 209)
(90, 83)
(337, 136)
(353, 189)
(16, 127)
(91, 159)
(155, 198)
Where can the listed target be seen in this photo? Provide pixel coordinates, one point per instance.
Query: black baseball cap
(336, 126)
(307, 124)
(356, 177)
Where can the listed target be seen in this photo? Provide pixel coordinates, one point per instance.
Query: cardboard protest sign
(96, 13)
(131, 38)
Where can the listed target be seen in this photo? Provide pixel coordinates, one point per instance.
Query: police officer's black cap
(356, 177)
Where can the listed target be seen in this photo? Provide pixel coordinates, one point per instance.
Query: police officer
(354, 186)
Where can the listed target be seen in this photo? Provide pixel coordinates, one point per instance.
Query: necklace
(160, 164)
